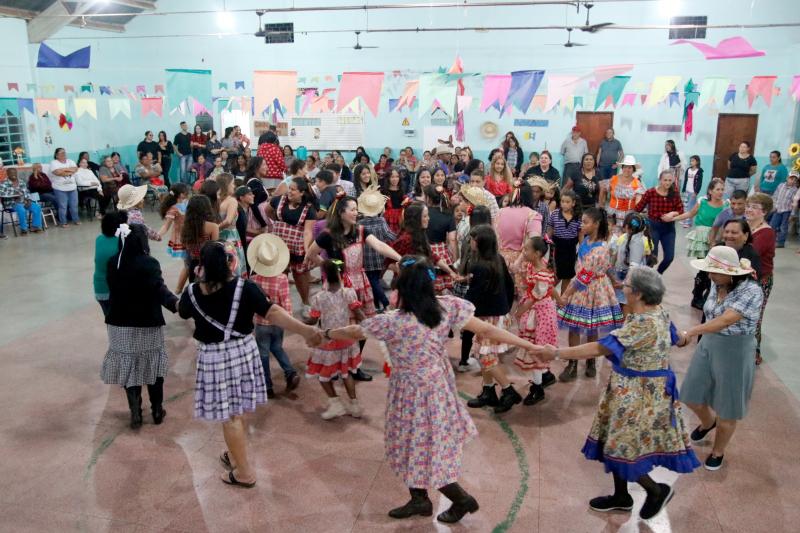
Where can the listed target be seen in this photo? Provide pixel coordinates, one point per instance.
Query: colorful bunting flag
(409, 94)
(86, 88)
(119, 105)
(524, 84)
(393, 104)
(152, 105)
(713, 89)
(27, 104)
(238, 85)
(762, 86)
(85, 105)
(30, 87)
(559, 88)
(271, 85)
(612, 88)
(366, 85)
(730, 95)
(795, 89)
(158, 89)
(674, 98)
(50, 106)
(9, 105)
(69, 88)
(628, 99)
(690, 100)
(198, 108)
(223, 86)
(140, 89)
(495, 91)
(13, 86)
(105, 89)
(433, 86)
(49, 58)
(662, 86)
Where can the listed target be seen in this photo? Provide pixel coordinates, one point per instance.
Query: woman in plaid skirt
(230, 378)
(136, 354)
(344, 240)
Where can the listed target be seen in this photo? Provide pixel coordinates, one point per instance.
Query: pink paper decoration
(495, 91)
(628, 99)
(559, 88)
(197, 108)
(409, 93)
(762, 86)
(269, 85)
(154, 105)
(158, 89)
(13, 86)
(795, 89)
(731, 48)
(367, 85)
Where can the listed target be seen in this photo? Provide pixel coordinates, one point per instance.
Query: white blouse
(62, 183)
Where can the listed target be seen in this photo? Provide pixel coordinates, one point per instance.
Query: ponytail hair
(415, 290)
(599, 215)
(638, 224)
(332, 268)
(171, 198)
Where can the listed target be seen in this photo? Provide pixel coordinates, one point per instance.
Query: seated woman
(111, 178)
(16, 195)
(202, 168)
(150, 174)
(121, 169)
(39, 183)
(89, 187)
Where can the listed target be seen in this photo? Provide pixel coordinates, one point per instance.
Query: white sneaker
(306, 312)
(472, 364)
(335, 409)
(354, 408)
(463, 368)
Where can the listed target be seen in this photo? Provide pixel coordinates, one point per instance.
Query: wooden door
(593, 127)
(732, 129)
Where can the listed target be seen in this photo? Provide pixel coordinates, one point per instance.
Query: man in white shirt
(573, 150)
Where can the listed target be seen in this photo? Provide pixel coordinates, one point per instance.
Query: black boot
(360, 375)
(156, 393)
(591, 368)
(548, 378)
(419, 504)
(570, 372)
(463, 503)
(134, 395)
(488, 397)
(535, 395)
(508, 399)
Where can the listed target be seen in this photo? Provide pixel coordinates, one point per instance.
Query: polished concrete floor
(70, 463)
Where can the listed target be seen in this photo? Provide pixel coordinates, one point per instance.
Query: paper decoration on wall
(762, 86)
(30, 87)
(495, 91)
(152, 105)
(524, 84)
(48, 88)
(354, 107)
(366, 85)
(50, 106)
(65, 122)
(539, 101)
(439, 87)
(458, 68)
(731, 48)
(606, 72)
(530, 123)
(529, 135)
(730, 95)
(559, 88)
(662, 86)
(674, 98)
(49, 58)
(238, 85)
(628, 99)
(690, 99)
(613, 88)
(140, 89)
(85, 105)
(795, 89)
(69, 88)
(12, 86)
(643, 98)
(409, 94)
(158, 89)
(223, 85)
(713, 89)
(463, 103)
(271, 85)
(664, 128)
(323, 103)
(181, 109)
(185, 84)
(9, 105)
(198, 108)
(577, 101)
(86, 88)
(306, 98)
(393, 104)
(105, 89)
(27, 104)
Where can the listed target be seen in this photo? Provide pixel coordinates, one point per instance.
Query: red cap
(576, 128)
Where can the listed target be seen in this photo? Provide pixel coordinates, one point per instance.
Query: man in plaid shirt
(784, 204)
(15, 194)
(373, 261)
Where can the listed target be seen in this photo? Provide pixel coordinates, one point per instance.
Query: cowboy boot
(156, 393)
(488, 397)
(134, 395)
(463, 503)
(419, 504)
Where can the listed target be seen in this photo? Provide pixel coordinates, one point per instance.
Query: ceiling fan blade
(578, 44)
(594, 28)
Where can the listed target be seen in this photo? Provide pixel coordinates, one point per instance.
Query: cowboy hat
(489, 130)
(130, 196)
(538, 181)
(723, 260)
(628, 161)
(268, 255)
(371, 202)
(443, 149)
(473, 195)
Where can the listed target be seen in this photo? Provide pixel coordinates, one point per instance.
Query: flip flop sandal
(236, 482)
(226, 461)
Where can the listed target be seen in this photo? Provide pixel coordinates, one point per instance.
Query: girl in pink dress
(426, 423)
(536, 314)
(335, 306)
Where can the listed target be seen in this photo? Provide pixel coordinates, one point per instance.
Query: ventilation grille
(279, 33)
(688, 33)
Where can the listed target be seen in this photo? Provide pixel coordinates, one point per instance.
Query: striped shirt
(563, 229)
(783, 197)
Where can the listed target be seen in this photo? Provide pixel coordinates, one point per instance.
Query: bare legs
(724, 431)
(234, 431)
(302, 280)
(349, 385)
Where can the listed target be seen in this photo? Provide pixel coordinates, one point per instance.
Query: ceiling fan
(260, 32)
(569, 43)
(593, 28)
(358, 44)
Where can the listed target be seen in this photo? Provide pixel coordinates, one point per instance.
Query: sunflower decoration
(794, 152)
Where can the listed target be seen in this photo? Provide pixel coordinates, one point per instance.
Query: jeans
(570, 171)
(664, 233)
(48, 197)
(22, 215)
(67, 201)
(270, 339)
(374, 277)
(605, 172)
(780, 223)
(691, 201)
(184, 164)
(736, 184)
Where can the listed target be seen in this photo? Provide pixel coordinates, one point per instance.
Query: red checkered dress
(292, 235)
(442, 282)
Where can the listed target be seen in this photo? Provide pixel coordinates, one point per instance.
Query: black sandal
(236, 482)
(226, 461)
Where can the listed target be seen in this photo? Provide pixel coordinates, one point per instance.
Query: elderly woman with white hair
(720, 377)
(638, 425)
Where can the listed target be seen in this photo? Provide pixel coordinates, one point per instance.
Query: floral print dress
(426, 423)
(638, 425)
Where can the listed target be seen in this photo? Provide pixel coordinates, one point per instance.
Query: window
(688, 33)
(12, 135)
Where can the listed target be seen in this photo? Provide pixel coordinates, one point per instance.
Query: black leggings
(466, 345)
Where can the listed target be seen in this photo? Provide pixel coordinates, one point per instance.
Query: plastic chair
(8, 209)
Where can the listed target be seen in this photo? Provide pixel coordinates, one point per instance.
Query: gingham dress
(135, 356)
(230, 378)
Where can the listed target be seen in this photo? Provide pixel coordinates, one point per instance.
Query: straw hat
(628, 161)
(268, 255)
(489, 130)
(473, 195)
(538, 181)
(371, 202)
(723, 260)
(442, 149)
(130, 196)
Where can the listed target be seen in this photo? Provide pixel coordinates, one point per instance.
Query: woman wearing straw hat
(625, 191)
(720, 377)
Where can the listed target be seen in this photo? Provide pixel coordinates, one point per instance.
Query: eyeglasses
(755, 207)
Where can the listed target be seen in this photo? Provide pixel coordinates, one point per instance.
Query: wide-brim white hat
(371, 202)
(444, 149)
(489, 130)
(723, 260)
(130, 196)
(628, 161)
(268, 255)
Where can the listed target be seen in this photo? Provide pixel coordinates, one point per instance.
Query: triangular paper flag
(154, 105)
(140, 89)
(730, 95)
(158, 89)
(49, 58)
(223, 85)
(119, 105)
(69, 88)
(628, 99)
(30, 87)
(50, 106)
(731, 48)
(662, 86)
(238, 85)
(713, 89)
(393, 104)
(27, 104)
(409, 93)
(198, 108)
(674, 98)
(611, 88)
(85, 105)
(86, 88)
(105, 89)
(13, 86)
(795, 89)
(463, 103)
(761, 86)
(367, 85)
(559, 88)
(9, 105)
(524, 84)
(495, 91)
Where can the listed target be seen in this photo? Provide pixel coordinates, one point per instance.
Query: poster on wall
(324, 131)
